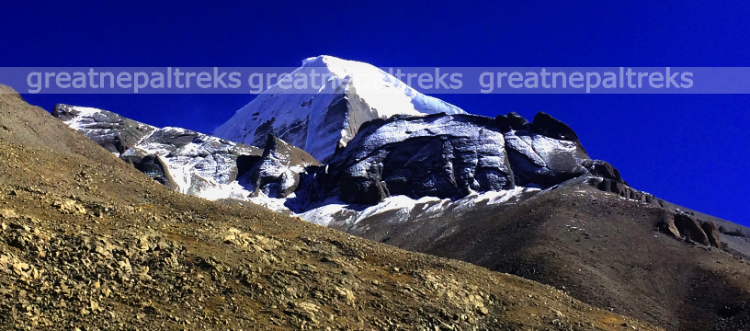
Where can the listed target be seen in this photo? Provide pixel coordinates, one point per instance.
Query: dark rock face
(546, 154)
(622, 189)
(453, 155)
(155, 168)
(196, 159)
(449, 156)
(602, 169)
(682, 225)
(64, 112)
(277, 172)
(246, 163)
(549, 126)
(543, 161)
(436, 155)
(172, 138)
(512, 121)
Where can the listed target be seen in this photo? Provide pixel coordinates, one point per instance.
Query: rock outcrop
(667, 225)
(277, 173)
(436, 155)
(512, 121)
(691, 229)
(712, 232)
(681, 225)
(450, 156)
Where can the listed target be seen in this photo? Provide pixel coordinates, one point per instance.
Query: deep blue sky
(689, 149)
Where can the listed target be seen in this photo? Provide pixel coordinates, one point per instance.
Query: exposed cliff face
(198, 164)
(323, 118)
(437, 155)
(453, 155)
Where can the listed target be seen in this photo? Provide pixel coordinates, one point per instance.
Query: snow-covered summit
(327, 113)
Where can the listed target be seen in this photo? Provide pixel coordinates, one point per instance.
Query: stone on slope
(712, 232)
(691, 228)
(667, 225)
(153, 166)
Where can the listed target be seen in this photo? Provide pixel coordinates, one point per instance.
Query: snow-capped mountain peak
(327, 113)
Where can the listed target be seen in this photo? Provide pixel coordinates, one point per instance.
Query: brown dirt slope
(87, 242)
(601, 249)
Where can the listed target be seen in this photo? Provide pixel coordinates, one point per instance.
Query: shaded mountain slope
(89, 242)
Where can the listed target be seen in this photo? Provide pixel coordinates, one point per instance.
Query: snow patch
(402, 208)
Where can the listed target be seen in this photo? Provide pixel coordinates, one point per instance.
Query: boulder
(691, 229)
(602, 169)
(667, 225)
(154, 167)
(712, 232)
(549, 126)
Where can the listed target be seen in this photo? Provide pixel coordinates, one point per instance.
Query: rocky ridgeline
(115, 133)
(184, 160)
(444, 156)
